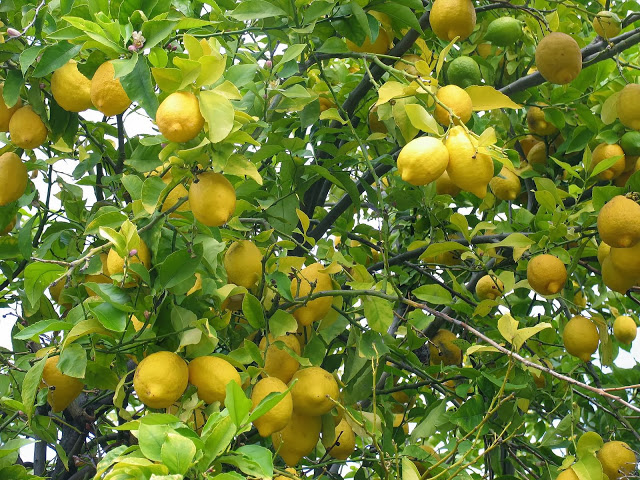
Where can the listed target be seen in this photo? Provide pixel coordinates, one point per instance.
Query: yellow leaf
(484, 97)
(525, 334)
(332, 114)
(481, 349)
(609, 111)
(488, 137)
(331, 269)
(508, 327)
(421, 119)
(390, 90)
(304, 220)
(554, 20)
(443, 55)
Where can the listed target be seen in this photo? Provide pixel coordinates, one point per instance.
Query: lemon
(626, 260)
(614, 279)
(314, 391)
(27, 129)
(603, 152)
(558, 58)
(546, 274)
(382, 42)
(538, 154)
(603, 252)
(538, 124)
(278, 362)
(580, 337)
(102, 277)
(506, 186)
(176, 193)
(464, 71)
(5, 112)
(107, 93)
(375, 124)
(13, 178)
(579, 300)
(504, 31)
(628, 106)
(298, 438)
(62, 389)
(442, 350)
(243, 263)
(568, 474)
(210, 375)
(422, 160)
(115, 263)
(292, 471)
(9, 227)
(452, 18)
(179, 118)
(630, 143)
(280, 414)
(619, 222)
(529, 141)
(161, 379)
(301, 286)
(457, 100)
(607, 24)
(344, 442)
(444, 185)
(70, 88)
(326, 103)
(625, 329)
(212, 199)
(469, 168)
(489, 287)
(617, 459)
(57, 292)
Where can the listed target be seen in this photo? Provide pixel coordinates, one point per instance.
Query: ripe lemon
(452, 18)
(107, 93)
(57, 292)
(506, 186)
(298, 438)
(469, 168)
(444, 185)
(603, 152)
(210, 375)
(70, 88)
(115, 263)
(615, 279)
(27, 129)
(464, 71)
(243, 263)
(422, 160)
(458, 101)
(344, 442)
(504, 31)
(278, 362)
(538, 124)
(313, 391)
(484, 50)
(280, 414)
(558, 58)
(62, 389)
(628, 106)
(375, 124)
(489, 287)
(546, 274)
(292, 471)
(5, 112)
(529, 141)
(176, 193)
(383, 40)
(568, 474)
(179, 118)
(13, 178)
(619, 222)
(580, 337)
(161, 379)
(607, 24)
(301, 287)
(212, 199)
(603, 252)
(617, 459)
(538, 154)
(442, 350)
(625, 329)
(101, 277)
(9, 227)
(626, 260)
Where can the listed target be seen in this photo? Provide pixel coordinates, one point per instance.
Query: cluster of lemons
(617, 459)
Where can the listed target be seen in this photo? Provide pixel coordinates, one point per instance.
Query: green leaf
(73, 361)
(256, 9)
(507, 326)
(372, 345)
(211, 69)
(409, 470)
(55, 57)
(253, 460)
(282, 322)
(253, 311)
(237, 403)
(155, 31)
(219, 431)
(151, 438)
(179, 266)
(38, 276)
(524, 334)
(268, 403)
(30, 386)
(140, 88)
(41, 327)
(514, 240)
(241, 75)
(436, 249)
(218, 112)
(421, 119)
(152, 190)
(12, 85)
(588, 468)
(436, 294)
(110, 317)
(434, 419)
(588, 444)
(177, 453)
(401, 15)
(292, 53)
(24, 238)
(379, 313)
(116, 238)
(168, 79)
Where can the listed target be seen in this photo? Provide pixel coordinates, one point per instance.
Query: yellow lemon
(625, 329)
(375, 124)
(580, 337)
(179, 118)
(344, 442)
(212, 199)
(568, 474)
(57, 292)
(538, 124)
(617, 459)
(243, 263)
(314, 391)
(5, 112)
(484, 49)
(603, 252)
(13, 178)
(626, 260)
(102, 277)
(298, 438)
(115, 263)
(176, 193)
(538, 154)
(442, 350)
(489, 287)
(382, 42)
(457, 100)
(70, 88)
(280, 414)
(278, 362)
(615, 279)
(160, 379)
(607, 24)
(558, 58)
(27, 129)
(62, 389)
(628, 106)
(444, 185)
(546, 274)
(107, 93)
(210, 375)
(301, 286)
(528, 141)
(452, 18)
(422, 160)
(469, 168)
(603, 152)
(505, 186)
(9, 227)
(619, 222)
